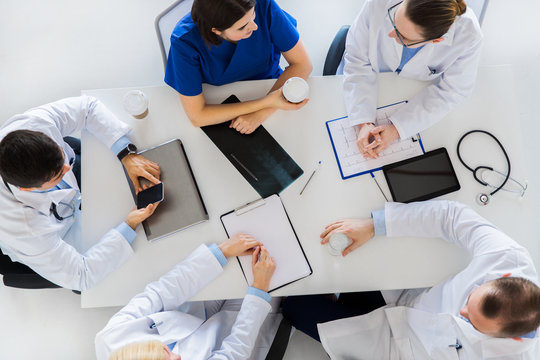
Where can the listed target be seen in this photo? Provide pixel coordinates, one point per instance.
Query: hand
(246, 124)
(277, 100)
(384, 135)
(238, 245)
(138, 166)
(263, 268)
(358, 230)
(137, 216)
(365, 138)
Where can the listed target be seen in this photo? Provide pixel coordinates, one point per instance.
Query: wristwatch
(129, 149)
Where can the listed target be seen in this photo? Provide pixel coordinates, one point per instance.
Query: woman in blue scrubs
(223, 41)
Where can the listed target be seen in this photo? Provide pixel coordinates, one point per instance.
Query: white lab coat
(29, 232)
(421, 326)
(224, 335)
(451, 65)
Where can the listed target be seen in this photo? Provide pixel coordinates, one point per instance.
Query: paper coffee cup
(338, 242)
(135, 103)
(295, 89)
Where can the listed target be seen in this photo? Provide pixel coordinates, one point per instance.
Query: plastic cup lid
(135, 102)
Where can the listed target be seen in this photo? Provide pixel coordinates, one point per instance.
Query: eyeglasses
(400, 37)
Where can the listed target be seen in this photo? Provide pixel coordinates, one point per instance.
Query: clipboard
(349, 160)
(258, 157)
(268, 222)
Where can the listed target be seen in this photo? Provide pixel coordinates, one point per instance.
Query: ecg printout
(351, 162)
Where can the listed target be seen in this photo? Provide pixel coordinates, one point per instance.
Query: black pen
(379, 186)
(311, 176)
(244, 167)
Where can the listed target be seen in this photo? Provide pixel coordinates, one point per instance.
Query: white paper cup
(135, 103)
(338, 242)
(295, 89)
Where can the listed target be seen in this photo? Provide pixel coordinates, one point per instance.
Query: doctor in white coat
(490, 310)
(232, 329)
(429, 40)
(40, 196)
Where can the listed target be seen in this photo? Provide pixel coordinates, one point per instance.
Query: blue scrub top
(191, 62)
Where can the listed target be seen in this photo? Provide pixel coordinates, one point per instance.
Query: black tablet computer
(422, 177)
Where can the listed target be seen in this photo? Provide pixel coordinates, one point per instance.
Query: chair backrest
(335, 52)
(478, 7)
(21, 276)
(165, 23)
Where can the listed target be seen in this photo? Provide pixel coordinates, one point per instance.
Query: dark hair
(516, 301)
(29, 158)
(219, 14)
(434, 17)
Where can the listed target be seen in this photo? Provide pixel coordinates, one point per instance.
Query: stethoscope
(480, 171)
(53, 209)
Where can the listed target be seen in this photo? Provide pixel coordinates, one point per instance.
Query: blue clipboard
(371, 171)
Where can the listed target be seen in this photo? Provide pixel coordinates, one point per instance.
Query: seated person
(429, 40)
(159, 324)
(221, 42)
(491, 309)
(40, 194)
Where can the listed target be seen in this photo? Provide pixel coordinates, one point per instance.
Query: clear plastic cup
(338, 242)
(135, 103)
(295, 89)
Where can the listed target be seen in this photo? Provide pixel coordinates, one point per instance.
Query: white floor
(53, 49)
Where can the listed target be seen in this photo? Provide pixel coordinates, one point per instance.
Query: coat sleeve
(451, 221)
(239, 344)
(437, 100)
(172, 289)
(74, 114)
(59, 262)
(360, 84)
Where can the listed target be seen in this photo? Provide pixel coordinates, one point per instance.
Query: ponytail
(434, 17)
(461, 7)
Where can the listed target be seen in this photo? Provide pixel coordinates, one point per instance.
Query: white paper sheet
(348, 156)
(269, 224)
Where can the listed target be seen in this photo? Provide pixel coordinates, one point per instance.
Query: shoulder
(468, 28)
(378, 7)
(185, 32)
(373, 14)
(37, 119)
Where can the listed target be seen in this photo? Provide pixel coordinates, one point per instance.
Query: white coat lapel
(491, 347)
(431, 333)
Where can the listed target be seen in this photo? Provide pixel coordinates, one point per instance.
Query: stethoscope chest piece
(482, 199)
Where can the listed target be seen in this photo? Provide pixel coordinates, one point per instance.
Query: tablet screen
(421, 178)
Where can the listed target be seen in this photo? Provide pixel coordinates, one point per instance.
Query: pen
(379, 186)
(310, 177)
(244, 167)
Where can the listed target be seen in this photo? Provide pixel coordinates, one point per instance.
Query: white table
(380, 264)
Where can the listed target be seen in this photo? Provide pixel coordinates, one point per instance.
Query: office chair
(165, 23)
(335, 52)
(21, 276)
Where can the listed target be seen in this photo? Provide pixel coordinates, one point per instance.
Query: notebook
(182, 205)
(266, 166)
(267, 221)
(351, 163)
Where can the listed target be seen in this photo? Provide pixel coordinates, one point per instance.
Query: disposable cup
(295, 89)
(135, 103)
(338, 242)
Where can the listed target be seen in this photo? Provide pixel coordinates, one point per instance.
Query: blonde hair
(149, 350)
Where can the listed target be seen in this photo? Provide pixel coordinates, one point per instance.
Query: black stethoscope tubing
(475, 171)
